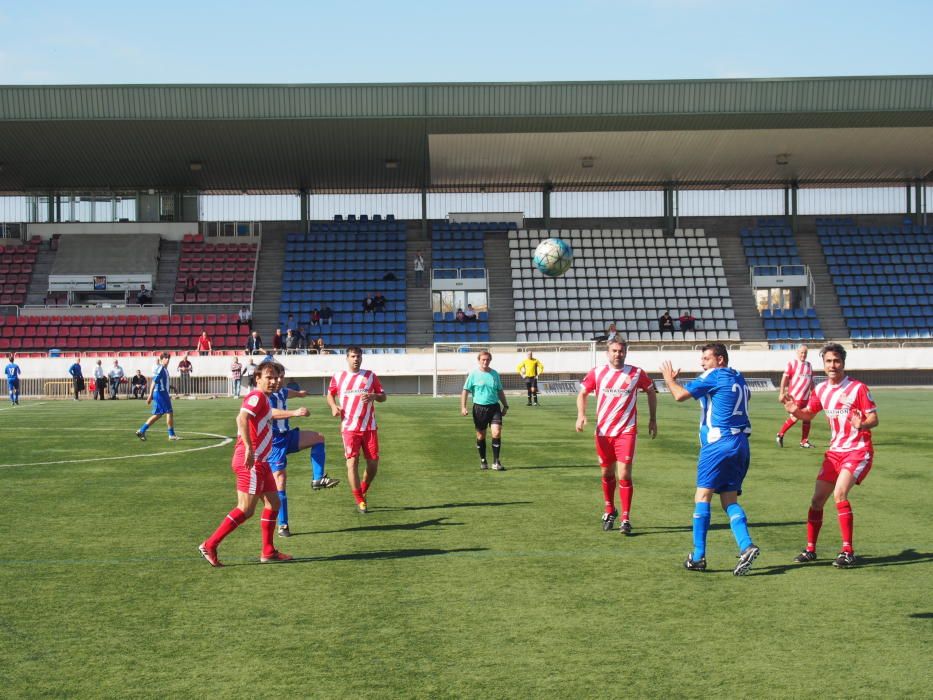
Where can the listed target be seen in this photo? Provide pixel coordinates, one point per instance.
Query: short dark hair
(719, 350)
(836, 348)
(163, 355)
(275, 366)
(617, 340)
(355, 348)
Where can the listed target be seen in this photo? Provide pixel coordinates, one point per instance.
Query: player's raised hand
(855, 418)
(581, 423)
(668, 372)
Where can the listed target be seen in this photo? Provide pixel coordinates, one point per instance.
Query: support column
(907, 195)
(793, 207)
(668, 210)
(424, 212)
(786, 203)
(303, 204)
(918, 200)
(546, 205)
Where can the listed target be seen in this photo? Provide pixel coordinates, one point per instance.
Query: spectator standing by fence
(184, 375)
(236, 377)
(77, 379)
(116, 376)
(100, 381)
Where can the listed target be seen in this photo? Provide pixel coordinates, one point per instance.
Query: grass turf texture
(459, 582)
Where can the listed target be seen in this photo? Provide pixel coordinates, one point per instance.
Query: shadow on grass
(595, 467)
(433, 522)
(714, 526)
(922, 616)
(466, 504)
(362, 556)
(908, 556)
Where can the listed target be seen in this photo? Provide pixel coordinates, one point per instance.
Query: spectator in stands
(469, 314)
(278, 342)
(315, 318)
(369, 304)
(317, 347)
(139, 384)
(612, 334)
(254, 344)
(77, 379)
(419, 269)
(143, 296)
(379, 302)
(236, 377)
(292, 342)
(116, 376)
(184, 375)
(191, 288)
(100, 381)
(327, 315)
(460, 316)
(666, 323)
(244, 318)
(687, 321)
(290, 324)
(304, 337)
(389, 277)
(204, 346)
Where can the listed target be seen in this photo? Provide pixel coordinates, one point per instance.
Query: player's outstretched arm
(670, 379)
(804, 414)
(581, 411)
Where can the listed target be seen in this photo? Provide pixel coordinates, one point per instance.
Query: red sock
(234, 519)
(626, 490)
(787, 425)
(814, 523)
(804, 431)
(364, 487)
(846, 524)
(358, 495)
(267, 525)
(609, 492)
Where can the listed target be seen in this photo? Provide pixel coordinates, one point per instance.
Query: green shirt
(485, 386)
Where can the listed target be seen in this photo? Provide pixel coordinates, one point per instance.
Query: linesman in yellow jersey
(530, 369)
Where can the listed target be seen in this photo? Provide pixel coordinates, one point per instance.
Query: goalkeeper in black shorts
(530, 369)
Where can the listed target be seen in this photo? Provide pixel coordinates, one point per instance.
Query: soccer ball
(553, 257)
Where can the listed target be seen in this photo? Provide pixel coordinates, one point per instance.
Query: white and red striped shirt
(799, 374)
(349, 388)
(257, 406)
(616, 397)
(838, 401)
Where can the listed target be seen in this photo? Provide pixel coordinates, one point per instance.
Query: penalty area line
(224, 441)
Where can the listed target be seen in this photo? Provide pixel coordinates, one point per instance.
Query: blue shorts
(161, 403)
(722, 465)
(12, 384)
(283, 444)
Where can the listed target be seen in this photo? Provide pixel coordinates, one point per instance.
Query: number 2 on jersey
(741, 401)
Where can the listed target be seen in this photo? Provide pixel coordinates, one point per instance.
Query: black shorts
(485, 415)
(531, 383)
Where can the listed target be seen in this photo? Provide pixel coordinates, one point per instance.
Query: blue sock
(317, 461)
(171, 431)
(143, 428)
(701, 517)
(739, 524)
(283, 508)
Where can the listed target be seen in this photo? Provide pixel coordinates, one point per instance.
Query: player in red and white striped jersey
(617, 385)
(357, 391)
(254, 479)
(852, 414)
(797, 383)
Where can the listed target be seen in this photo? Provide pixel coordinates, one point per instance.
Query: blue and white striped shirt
(279, 400)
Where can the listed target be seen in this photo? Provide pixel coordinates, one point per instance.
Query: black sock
(536, 398)
(496, 445)
(529, 396)
(481, 446)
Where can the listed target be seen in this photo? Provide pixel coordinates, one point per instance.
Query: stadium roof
(359, 138)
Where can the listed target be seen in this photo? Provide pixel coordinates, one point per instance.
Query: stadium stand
(626, 276)
(771, 249)
(16, 264)
(88, 254)
(223, 271)
(457, 251)
(116, 332)
(337, 264)
(882, 278)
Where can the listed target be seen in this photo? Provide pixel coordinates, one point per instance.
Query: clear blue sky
(167, 41)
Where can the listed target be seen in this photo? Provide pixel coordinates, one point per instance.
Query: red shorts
(834, 463)
(259, 479)
(365, 440)
(620, 448)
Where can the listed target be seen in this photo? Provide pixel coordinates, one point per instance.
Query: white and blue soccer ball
(553, 257)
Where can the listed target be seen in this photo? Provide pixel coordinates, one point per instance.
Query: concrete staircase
(735, 266)
(267, 294)
(39, 282)
(163, 290)
(826, 303)
(420, 321)
(499, 279)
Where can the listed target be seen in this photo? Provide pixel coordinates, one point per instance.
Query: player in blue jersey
(12, 379)
(287, 440)
(160, 399)
(724, 452)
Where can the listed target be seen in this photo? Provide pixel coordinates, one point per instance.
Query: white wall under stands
(170, 231)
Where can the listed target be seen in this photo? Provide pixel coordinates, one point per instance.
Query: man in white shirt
(116, 376)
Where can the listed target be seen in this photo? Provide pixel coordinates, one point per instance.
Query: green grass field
(459, 583)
